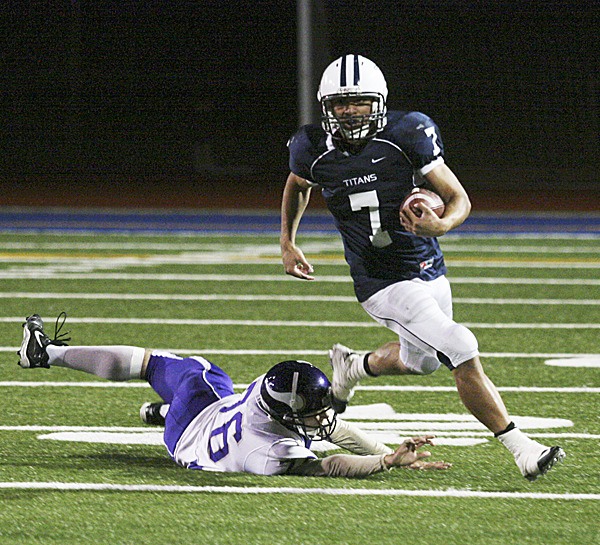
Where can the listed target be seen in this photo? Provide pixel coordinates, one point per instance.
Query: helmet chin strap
(359, 133)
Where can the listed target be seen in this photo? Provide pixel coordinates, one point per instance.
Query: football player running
(366, 160)
(265, 430)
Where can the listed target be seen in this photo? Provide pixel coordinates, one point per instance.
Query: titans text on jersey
(363, 192)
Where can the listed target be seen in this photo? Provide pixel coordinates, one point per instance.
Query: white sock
(117, 363)
(517, 442)
(356, 370)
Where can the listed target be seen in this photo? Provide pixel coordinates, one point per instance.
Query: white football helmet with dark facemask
(353, 77)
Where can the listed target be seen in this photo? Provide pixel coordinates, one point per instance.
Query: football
(425, 196)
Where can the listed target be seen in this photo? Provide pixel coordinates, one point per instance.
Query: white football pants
(421, 314)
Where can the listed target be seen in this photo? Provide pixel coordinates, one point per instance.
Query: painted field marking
(309, 247)
(263, 297)
(63, 265)
(118, 433)
(381, 421)
(574, 358)
(91, 261)
(591, 361)
(371, 388)
(38, 274)
(453, 493)
(283, 323)
(134, 436)
(179, 297)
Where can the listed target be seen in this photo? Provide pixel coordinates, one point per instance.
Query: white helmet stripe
(293, 397)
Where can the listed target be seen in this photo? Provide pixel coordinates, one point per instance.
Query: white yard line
(310, 352)
(268, 259)
(454, 493)
(406, 431)
(333, 244)
(40, 274)
(248, 297)
(179, 297)
(489, 301)
(510, 249)
(285, 323)
(372, 388)
(115, 429)
(487, 263)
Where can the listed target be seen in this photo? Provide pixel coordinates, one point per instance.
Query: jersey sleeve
(301, 160)
(340, 465)
(424, 148)
(352, 438)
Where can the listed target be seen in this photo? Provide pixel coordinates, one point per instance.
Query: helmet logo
(291, 399)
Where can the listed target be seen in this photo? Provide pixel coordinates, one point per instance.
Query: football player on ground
(266, 430)
(366, 160)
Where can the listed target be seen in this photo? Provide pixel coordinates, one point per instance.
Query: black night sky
(159, 90)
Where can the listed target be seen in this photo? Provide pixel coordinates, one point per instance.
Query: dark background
(191, 103)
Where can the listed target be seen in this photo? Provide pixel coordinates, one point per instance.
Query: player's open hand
(407, 455)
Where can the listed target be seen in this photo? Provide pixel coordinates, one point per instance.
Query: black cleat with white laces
(33, 353)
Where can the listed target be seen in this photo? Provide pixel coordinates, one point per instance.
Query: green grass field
(78, 467)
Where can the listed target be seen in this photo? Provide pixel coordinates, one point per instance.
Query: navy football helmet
(298, 395)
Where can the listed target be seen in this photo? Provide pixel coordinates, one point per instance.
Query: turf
(64, 264)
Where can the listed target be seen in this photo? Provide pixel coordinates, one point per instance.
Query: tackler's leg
(117, 363)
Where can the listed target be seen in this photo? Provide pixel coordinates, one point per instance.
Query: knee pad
(456, 345)
(417, 360)
(428, 365)
(459, 345)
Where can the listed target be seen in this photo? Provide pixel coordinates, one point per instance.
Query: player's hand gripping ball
(425, 196)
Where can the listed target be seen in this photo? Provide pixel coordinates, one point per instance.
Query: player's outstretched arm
(347, 465)
(296, 195)
(350, 437)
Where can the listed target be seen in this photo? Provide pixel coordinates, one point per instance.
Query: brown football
(429, 198)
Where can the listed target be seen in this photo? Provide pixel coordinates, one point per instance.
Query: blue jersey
(363, 191)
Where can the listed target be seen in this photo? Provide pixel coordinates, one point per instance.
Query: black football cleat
(33, 353)
(150, 414)
(546, 461)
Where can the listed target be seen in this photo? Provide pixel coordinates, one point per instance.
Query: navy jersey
(364, 191)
